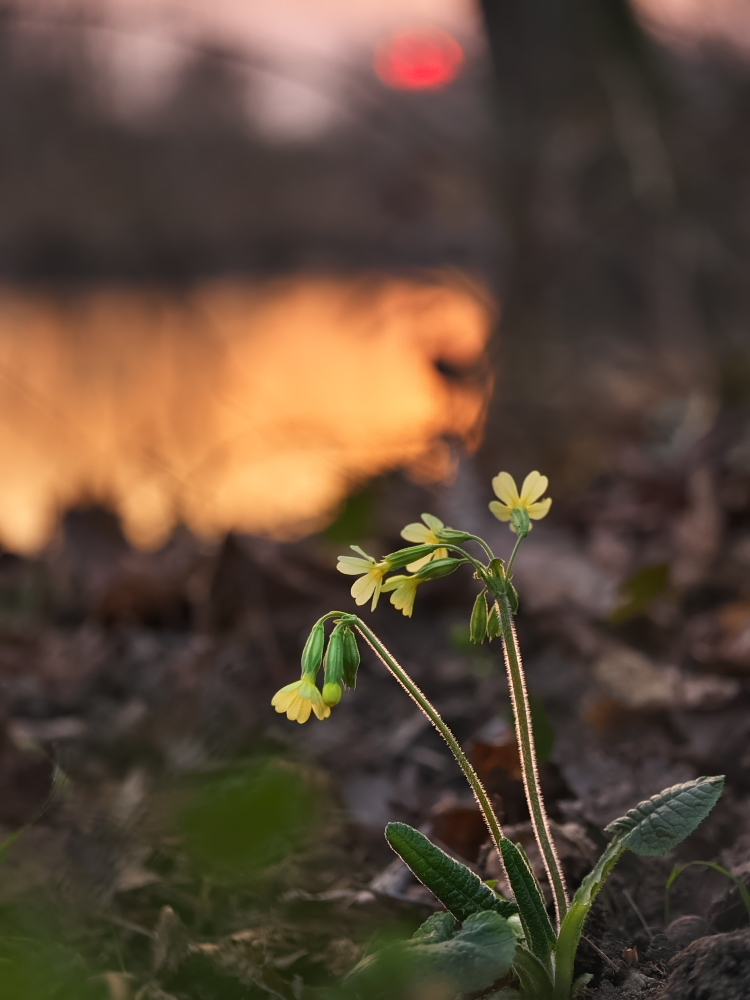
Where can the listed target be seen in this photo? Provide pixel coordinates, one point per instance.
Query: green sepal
(478, 622)
(404, 557)
(452, 535)
(439, 567)
(496, 580)
(520, 522)
(658, 824)
(351, 657)
(493, 622)
(312, 654)
(540, 933)
(334, 660)
(456, 886)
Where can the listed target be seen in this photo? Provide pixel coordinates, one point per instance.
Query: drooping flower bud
(351, 657)
(332, 694)
(403, 557)
(334, 659)
(312, 654)
(478, 623)
(439, 567)
(452, 535)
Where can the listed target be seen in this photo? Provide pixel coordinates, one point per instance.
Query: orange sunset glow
(231, 407)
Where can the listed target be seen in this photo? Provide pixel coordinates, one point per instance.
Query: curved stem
(480, 541)
(527, 751)
(467, 556)
(480, 793)
(513, 555)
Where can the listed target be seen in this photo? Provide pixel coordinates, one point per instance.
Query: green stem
(433, 715)
(480, 541)
(527, 751)
(513, 555)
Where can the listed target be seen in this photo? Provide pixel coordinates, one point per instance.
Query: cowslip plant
(513, 938)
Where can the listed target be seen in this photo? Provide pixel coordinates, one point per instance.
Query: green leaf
(572, 925)
(456, 886)
(653, 827)
(533, 975)
(540, 933)
(473, 958)
(438, 927)
(662, 822)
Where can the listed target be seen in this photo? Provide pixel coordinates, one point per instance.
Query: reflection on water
(231, 406)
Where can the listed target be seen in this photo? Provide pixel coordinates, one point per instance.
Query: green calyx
(439, 567)
(351, 656)
(413, 553)
(479, 616)
(334, 661)
(520, 522)
(312, 654)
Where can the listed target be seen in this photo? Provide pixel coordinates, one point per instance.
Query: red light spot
(419, 60)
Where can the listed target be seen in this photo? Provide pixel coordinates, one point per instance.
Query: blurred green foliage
(640, 590)
(250, 815)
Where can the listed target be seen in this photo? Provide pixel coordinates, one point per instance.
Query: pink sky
(306, 45)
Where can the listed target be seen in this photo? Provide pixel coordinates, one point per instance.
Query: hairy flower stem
(527, 751)
(395, 668)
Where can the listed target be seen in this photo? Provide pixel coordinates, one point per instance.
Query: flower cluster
(435, 551)
(303, 698)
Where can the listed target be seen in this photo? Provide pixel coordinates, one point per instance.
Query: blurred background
(275, 278)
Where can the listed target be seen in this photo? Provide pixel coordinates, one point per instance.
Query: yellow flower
(509, 499)
(425, 534)
(404, 591)
(299, 699)
(371, 575)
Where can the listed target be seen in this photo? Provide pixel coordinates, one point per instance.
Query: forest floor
(178, 839)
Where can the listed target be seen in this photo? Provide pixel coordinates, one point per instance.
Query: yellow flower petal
(363, 589)
(505, 489)
(534, 485)
(299, 700)
(540, 509)
(353, 565)
(404, 592)
(500, 510)
(282, 700)
(420, 534)
(432, 522)
(303, 709)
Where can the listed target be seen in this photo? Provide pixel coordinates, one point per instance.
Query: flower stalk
(426, 706)
(527, 752)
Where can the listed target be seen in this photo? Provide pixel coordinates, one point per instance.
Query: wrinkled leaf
(540, 933)
(456, 886)
(662, 822)
(469, 960)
